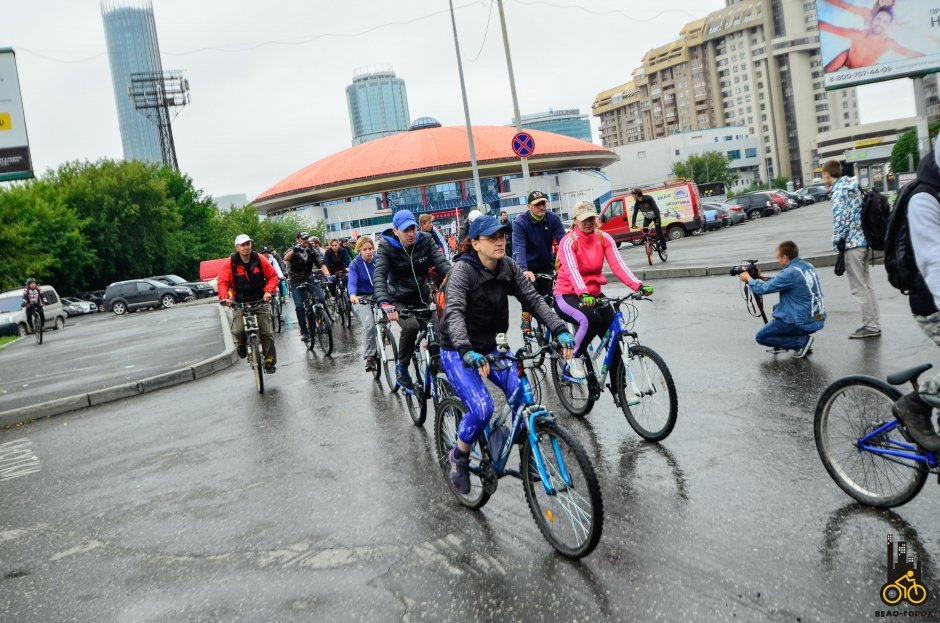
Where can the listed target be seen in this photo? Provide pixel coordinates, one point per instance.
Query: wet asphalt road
(321, 501)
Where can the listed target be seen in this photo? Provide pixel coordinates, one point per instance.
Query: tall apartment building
(754, 63)
(131, 35)
(378, 105)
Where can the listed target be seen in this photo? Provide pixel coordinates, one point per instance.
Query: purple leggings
(468, 384)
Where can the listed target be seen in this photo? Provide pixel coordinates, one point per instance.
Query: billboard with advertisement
(15, 162)
(873, 40)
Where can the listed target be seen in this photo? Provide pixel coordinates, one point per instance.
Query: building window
(750, 152)
(734, 154)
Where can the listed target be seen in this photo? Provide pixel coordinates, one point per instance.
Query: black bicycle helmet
(30, 280)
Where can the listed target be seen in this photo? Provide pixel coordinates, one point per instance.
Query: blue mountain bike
(560, 484)
(641, 383)
(864, 448)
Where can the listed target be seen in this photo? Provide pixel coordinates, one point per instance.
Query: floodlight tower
(159, 95)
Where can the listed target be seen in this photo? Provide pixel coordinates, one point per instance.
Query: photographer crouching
(800, 312)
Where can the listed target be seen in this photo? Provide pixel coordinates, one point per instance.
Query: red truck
(680, 209)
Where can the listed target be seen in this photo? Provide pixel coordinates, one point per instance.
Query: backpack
(899, 253)
(875, 211)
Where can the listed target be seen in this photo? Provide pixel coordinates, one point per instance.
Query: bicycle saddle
(905, 376)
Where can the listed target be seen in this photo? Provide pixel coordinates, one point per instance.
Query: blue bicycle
(560, 484)
(641, 383)
(864, 448)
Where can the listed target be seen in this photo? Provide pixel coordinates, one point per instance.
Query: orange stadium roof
(427, 156)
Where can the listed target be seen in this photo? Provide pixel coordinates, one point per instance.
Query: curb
(199, 370)
(723, 270)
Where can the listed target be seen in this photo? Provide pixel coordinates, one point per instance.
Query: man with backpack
(912, 260)
(847, 226)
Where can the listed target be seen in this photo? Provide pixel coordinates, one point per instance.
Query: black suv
(200, 289)
(124, 296)
(758, 204)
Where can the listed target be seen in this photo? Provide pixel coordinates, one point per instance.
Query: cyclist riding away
(647, 205)
(477, 309)
(581, 262)
(302, 258)
(249, 278)
(361, 273)
(405, 259)
(534, 234)
(32, 301)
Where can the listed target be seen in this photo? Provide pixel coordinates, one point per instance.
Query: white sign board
(15, 163)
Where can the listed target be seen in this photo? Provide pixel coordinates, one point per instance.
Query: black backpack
(899, 254)
(875, 211)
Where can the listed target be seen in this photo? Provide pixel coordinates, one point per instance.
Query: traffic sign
(523, 145)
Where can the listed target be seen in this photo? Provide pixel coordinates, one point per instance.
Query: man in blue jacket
(534, 234)
(800, 312)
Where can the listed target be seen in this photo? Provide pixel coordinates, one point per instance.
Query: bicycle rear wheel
(648, 400)
(663, 253)
(310, 318)
(276, 314)
(575, 395)
(848, 410)
(388, 351)
(571, 517)
(447, 418)
(257, 363)
(416, 399)
(324, 332)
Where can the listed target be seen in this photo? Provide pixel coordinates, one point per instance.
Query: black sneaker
(915, 414)
(269, 366)
(304, 337)
(242, 350)
(459, 471)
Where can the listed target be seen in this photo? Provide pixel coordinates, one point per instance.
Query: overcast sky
(268, 78)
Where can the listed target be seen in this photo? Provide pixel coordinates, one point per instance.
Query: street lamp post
(466, 112)
(512, 89)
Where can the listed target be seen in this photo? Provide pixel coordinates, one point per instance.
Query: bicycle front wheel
(37, 329)
(257, 365)
(447, 418)
(848, 410)
(324, 332)
(416, 400)
(276, 314)
(649, 251)
(571, 515)
(388, 350)
(575, 395)
(347, 311)
(646, 392)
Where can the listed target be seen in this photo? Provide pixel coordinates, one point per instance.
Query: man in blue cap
(405, 259)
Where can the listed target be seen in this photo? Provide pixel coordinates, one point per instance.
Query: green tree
(712, 166)
(906, 147)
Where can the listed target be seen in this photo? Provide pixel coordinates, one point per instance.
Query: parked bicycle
(253, 340)
(652, 243)
(429, 378)
(641, 384)
(560, 484)
(319, 325)
(862, 445)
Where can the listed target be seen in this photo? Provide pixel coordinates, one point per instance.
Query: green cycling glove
(647, 290)
(587, 300)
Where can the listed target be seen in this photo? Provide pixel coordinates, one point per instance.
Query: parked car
(76, 307)
(13, 314)
(819, 192)
(799, 200)
(134, 294)
(761, 203)
(96, 297)
(200, 289)
(735, 210)
(716, 218)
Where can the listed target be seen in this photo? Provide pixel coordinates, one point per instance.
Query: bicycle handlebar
(520, 355)
(255, 305)
(616, 301)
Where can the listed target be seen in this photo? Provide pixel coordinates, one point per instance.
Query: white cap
(242, 239)
(473, 215)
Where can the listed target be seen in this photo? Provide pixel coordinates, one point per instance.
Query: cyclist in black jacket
(302, 258)
(405, 259)
(647, 205)
(32, 301)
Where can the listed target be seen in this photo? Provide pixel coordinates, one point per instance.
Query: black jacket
(920, 298)
(477, 303)
(646, 205)
(302, 263)
(335, 262)
(401, 274)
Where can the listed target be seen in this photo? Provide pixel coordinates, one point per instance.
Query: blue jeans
(468, 385)
(779, 334)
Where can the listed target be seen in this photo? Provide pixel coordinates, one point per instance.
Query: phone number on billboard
(862, 73)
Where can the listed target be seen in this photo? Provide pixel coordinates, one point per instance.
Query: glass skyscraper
(131, 34)
(378, 105)
(569, 122)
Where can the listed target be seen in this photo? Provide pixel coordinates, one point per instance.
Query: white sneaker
(576, 368)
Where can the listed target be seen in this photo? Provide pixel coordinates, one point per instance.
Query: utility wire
(485, 32)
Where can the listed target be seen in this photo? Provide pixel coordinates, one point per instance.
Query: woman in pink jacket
(581, 256)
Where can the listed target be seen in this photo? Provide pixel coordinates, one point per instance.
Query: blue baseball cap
(404, 219)
(486, 225)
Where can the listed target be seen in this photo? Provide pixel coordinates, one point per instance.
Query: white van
(13, 314)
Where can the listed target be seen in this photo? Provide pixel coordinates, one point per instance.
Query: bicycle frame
(905, 450)
(614, 331)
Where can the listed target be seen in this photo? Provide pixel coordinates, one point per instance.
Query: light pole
(466, 112)
(512, 89)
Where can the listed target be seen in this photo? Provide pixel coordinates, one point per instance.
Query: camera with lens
(750, 268)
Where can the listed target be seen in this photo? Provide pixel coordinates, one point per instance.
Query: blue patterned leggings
(469, 386)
